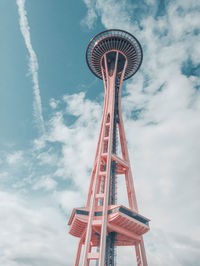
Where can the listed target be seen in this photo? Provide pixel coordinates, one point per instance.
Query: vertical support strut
(80, 243)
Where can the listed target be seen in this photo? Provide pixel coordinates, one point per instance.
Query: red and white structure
(103, 224)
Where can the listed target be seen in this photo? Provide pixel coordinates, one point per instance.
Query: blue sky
(50, 112)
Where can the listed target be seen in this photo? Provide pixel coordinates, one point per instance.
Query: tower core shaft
(103, 224)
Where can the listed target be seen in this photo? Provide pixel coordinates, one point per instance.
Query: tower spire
(103, 224)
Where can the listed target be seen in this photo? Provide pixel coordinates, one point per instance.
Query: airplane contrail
(33, 65)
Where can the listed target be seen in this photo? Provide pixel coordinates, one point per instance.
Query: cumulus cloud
(45, 182)
(15, 157)
(39, 235)
(68, 199)
(33, 64)
(91, 15)
(78, 140)
(53, 103)
(28, 235)
(4, 175)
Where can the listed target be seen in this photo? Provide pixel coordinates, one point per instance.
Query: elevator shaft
(110, 257)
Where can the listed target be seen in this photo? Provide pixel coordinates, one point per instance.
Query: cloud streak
(33, 65)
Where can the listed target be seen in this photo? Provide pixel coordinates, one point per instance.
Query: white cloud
(39, 143)
(33, 64)
(69, 199)
(45, 182)
(4, 175)
(53, 103)
(91, 15)
(78, 140)
(15, 157)
(33, 234)
(47, 157)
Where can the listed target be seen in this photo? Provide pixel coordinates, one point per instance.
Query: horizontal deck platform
(130, 226)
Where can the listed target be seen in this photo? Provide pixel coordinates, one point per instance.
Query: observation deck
(128, 225)
(117, 41)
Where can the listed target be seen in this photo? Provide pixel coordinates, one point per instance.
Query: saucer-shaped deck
(128, 225)
(114, 40)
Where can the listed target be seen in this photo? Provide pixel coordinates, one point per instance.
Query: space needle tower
(103, 223)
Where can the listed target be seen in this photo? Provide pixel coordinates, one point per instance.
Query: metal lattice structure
(103, 224)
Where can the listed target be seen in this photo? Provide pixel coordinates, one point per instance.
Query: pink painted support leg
(130, 188)
(78, 253)
(138, 256)
(93, 189)
(144, 258)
